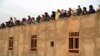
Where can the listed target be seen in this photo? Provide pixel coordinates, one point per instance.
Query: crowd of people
(46, 17)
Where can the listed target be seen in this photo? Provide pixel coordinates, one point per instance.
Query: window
(10, 43)
(52, 44)
(74, 42)
(33, 42)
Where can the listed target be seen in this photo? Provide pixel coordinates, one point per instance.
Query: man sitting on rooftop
(91, 9)
(85, 11)
(79, 10)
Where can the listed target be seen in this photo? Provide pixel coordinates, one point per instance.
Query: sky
(23, 8)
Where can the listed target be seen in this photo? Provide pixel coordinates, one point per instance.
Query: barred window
(33, 42)
(74, 42)
(10, 43)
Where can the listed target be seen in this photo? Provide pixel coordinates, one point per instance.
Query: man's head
(91, 7)
(78, 6)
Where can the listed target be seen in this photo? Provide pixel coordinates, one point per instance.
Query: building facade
(75, 36)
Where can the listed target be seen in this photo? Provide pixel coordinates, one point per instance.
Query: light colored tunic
(57, 15)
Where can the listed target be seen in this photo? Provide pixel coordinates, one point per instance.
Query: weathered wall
(88, 27)
(97, 50)
(88, 34)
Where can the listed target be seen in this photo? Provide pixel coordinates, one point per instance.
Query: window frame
(33, 42)
(11, 43)
(75, 46)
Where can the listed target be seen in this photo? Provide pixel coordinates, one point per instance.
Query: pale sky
(22, 8)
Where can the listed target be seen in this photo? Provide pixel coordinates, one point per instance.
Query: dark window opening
(52, 44)
(71, 43)
(76, 42)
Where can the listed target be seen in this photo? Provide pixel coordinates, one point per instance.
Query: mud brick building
(74, 36)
